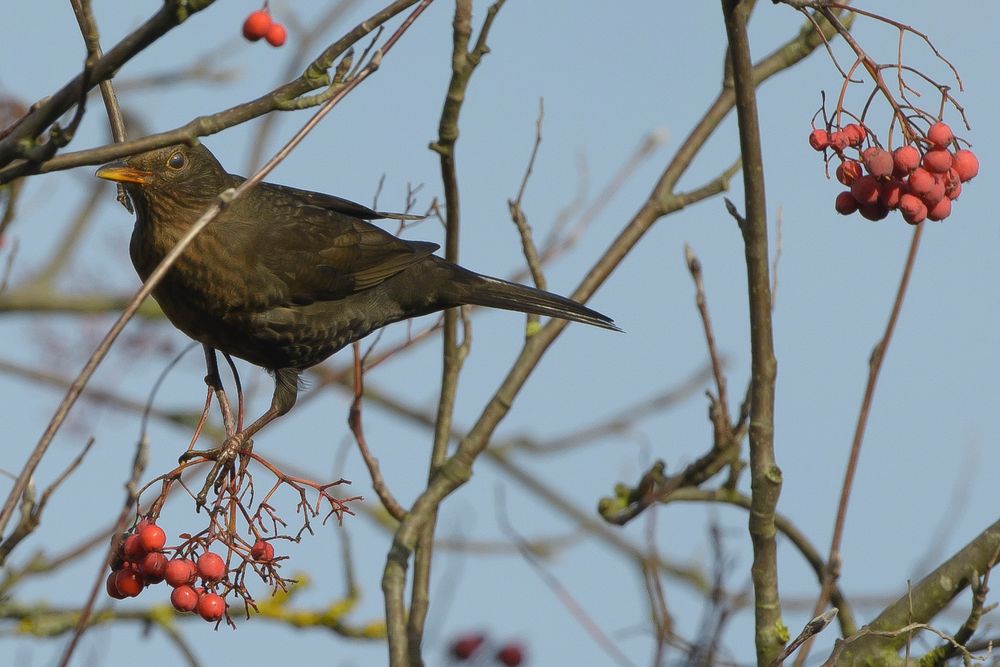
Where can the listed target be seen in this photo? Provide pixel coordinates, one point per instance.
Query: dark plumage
(283, 278)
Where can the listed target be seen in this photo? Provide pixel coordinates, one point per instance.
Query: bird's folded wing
(336, 204)
(320, 255)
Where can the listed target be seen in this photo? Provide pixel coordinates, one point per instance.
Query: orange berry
(845, 203)
(256, 25)
(890, 192)
(935, 194)
(940, 134)
(904, 160)
(129, 583)
(211, 607)
(838, 141)
(511, 655)
(848, 172)
(466, 646)
(920, 182)
(154, 567)
(913, 209)
(937, 161)
(819, 139)
(940, 210)
(152, 538)
(873, 212)
(966, 164)
(878, 161)
(112, 587)
(952, 186)
(865, 190)
(211, 567)
(854, 134)
(184, 598)
(262, 551)
(179, 572)
(276, 34)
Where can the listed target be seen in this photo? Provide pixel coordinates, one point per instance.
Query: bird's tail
(479, 290)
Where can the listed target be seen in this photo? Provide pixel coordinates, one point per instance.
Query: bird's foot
(224, 456)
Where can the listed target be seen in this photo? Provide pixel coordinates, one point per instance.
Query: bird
(284, 278)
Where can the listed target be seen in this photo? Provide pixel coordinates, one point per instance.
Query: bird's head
(179, 175)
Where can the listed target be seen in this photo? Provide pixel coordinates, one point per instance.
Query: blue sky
(608, 76)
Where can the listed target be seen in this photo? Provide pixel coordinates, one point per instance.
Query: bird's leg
(285, 393)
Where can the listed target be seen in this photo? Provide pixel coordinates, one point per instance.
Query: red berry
(838, 141)
(819, 139)
(878, 161)
(262, 551)
(112, 587)
(935, 194)
(276, 34)
(865, 190)
(845, 203)
(129, 583)
(966, 164)
(952, 186)
(913, 209)
(848, 172)
(179, 572)
(940, 210)
(154, 567)
(890, 192)
(940, 134)
(905, 159)
(184, 598)
(466, 646)
(854, 134)
(873, 212)
(937, 161)
(256, 25)
(211, 567)
(133, 548)
(511, 655)
(920, 182)
(211, 607)
(152, 538)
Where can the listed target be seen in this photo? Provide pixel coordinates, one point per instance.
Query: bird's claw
(223, 455)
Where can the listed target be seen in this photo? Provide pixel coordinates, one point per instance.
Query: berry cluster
(920, 179)
(470, 646)
(259, 25)
(141, 561)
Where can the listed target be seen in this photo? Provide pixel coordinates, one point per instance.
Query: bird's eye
(177, 161)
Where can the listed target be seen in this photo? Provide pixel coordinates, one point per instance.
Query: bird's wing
(334, 203)
(320, 254)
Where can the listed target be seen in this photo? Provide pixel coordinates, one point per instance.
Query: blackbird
(283, 277)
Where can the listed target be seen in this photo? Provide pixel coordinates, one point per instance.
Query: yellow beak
(118, 172)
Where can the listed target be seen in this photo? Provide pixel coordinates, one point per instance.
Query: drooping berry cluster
(920, 179)
(142, 561)
(260, 25)
(471, 646)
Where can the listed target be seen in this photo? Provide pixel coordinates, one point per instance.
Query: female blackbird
(283, 278)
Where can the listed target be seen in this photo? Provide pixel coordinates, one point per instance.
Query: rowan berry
(276, 34)
(211, 567)
(819, 139)
(940, 134)
(966, 164)
(257, 24)
(845, 203)
(211, 607)
(184, 598)
(179, 572)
